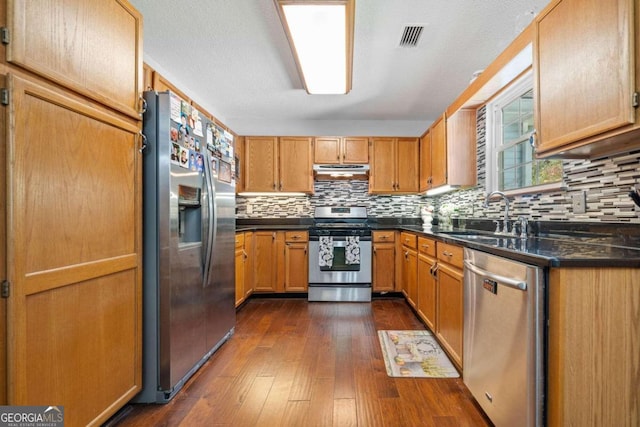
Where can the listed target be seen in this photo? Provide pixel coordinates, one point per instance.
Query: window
(511, 163)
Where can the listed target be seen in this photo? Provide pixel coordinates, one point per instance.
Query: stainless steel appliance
(189, 226)
(340, 254)
(503, 338)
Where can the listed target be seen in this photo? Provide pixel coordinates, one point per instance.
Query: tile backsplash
(605, 181)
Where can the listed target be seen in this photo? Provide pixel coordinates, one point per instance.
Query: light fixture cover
(321, 37)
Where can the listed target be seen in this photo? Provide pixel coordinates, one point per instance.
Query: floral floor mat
(415, 354)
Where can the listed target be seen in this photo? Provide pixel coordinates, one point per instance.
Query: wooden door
(261, 163)
(408, 165)
(427, 291)
(296, 164)
(450, 311)
(264, 261)
(240, 166)
(74, 234)
(584, 51)
(355, 150)
(384, 272)
(239, 268)
(296, 267)
(382, 176)
(93, 48)
(411, 276)
(327, 150)
(425, 162)
(439, 153)
(248, 264)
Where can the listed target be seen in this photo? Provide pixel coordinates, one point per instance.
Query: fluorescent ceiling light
(321, 37)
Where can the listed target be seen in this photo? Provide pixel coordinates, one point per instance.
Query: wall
(606, 181)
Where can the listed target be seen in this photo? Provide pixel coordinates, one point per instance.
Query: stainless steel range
(340, 255)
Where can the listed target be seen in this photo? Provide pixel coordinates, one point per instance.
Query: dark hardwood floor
(295, 363)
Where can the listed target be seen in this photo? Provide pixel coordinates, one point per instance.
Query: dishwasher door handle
(513, 283)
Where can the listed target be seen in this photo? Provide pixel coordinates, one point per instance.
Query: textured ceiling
(232, 57)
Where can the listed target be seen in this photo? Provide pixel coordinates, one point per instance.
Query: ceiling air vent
(411, 35)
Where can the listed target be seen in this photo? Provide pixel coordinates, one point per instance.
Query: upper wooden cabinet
(336, 150)
(453, 150)
(278, 164)
(425, 161)
(93, 48)
(394, 165)
(586, 78)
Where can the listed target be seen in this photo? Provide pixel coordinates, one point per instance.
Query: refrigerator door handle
(208, 219)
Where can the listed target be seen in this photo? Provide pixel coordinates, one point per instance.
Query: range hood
(324, 171)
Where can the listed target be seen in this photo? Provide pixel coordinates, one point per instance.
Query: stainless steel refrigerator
(189, 227)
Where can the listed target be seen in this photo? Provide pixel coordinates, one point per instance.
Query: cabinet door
(240, 261)
(439, 153)
(240, 167)
(425, 162)
(260, 163)
(75, 310)
(94, 48)
(411, 276)
(408, 165)
(427, 291)
(296, 267)
(327, 150)
(384, 271)
(296, 164)
(584, 51)
(382, 177)
(248, 264)
(355, 150)
(265, 261)
(450, 311)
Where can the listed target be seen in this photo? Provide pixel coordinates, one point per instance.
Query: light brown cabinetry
(341, 150)
(384, 259)
(243, 267)
(394, 165)
(265, 261)
(278, 164)
(587, 50)
(296, 261)
(453, 150)
(427, 285)
(594, 347)
(425, 161)
(449, 310)
(73, 224)
(409, 267)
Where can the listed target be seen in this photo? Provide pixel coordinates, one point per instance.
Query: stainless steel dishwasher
(503, 338)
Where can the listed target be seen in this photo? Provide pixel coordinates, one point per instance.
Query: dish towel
(352, 250)
(326, 251)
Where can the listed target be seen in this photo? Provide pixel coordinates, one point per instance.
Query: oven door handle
(513, 283)
(339, 238)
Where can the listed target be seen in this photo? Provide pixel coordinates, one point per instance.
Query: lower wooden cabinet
(409, 267)
(427, 285)
(296, 261)
(265, 260)
(243, 266)
(449, 306)
(384, 261)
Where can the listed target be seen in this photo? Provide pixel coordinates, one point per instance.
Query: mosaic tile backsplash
(606, 181)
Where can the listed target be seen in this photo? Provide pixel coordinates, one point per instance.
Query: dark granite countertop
(550, 244)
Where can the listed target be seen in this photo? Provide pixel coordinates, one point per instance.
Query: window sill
(544, 188)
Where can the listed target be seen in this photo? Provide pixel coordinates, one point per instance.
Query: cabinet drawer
(409, 240)
(296, 236)
(239, 240)
(451, 254)
(384, 236)
(427, 246)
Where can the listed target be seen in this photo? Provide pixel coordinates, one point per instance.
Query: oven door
(340, 272)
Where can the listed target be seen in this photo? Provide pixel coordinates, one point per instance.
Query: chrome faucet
(505, 221)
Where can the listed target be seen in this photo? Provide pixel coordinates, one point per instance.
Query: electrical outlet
(579, 201)
(249, 209)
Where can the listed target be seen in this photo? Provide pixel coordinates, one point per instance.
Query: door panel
(74, 314)
(408, 165)
(59, 41)
(296, 164)
(383, 166)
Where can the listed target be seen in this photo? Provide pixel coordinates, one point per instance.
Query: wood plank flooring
(295, 363)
